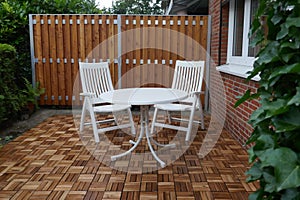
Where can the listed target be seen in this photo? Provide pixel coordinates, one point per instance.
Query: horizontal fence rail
(141, 49)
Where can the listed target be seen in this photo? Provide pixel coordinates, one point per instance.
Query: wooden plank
(174, 37)
(39, 55)
(82, 53)
(67, 55)
(111, 48)
(189, 53)
(75, 56)
(46, 65)
(151, 54)
(104, 44)
(167, 46)
(203, 36)
(196, 38)
(137, 50)
(158, 50)
(131, 45)
(96, 38)
(124, 49)
(88, 38)
(53, 65)
(60, 63)
(181, 46)
(145, 42)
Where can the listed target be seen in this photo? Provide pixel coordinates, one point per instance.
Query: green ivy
(275, 150)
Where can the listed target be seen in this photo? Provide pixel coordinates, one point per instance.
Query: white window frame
(244, 59)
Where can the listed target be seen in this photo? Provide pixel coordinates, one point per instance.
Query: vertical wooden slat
(96, 36)
(182, 38)
(196, 37)
(158, 50)
(189, 53)
(88, 38)
(67, 55)
(60, 64)
(174, 39)
(137, 51)
(124, 50)
(75, 56)
(46, 65)
(104, 44)
(203, 39)
(38, 54)
(52, 44)
(82, 54)
(151, 55)
(167, 44)
(144, 73)
(111, 48)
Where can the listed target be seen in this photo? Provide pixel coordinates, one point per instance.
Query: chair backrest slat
(188, 76)
(95, 77)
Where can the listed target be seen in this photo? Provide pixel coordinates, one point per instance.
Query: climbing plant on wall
(275, 139)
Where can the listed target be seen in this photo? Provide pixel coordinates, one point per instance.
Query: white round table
(144, 97)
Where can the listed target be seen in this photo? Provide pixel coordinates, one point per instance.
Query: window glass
(254, 6)
(238, 28)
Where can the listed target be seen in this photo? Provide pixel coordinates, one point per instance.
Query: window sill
(237, 70)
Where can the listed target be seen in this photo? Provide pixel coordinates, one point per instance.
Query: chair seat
(173, 107)
(110, 108)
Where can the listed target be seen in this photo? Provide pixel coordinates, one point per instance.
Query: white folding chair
(95, 80)
(188, 76)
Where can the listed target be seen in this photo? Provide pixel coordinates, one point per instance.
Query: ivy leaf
(274, 108)
(289, 121)
(256, 195)
(283, 32)
(292, 21)
(276, 19)
(292, 180)
(254, 173)
(269, 53)
(270, 182)
(252, 156)
(290, 194)
(293, 68)
(284, 161)
(296, 99)
(257, 116)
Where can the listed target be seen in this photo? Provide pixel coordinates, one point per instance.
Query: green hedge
(10, 96)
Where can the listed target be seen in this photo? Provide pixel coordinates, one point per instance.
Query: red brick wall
(236, 118)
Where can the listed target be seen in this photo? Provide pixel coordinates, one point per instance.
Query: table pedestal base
(145, 128)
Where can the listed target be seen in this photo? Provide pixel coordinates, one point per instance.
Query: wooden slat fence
(141, 49)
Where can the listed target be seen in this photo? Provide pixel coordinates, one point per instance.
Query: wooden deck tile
(50, 161)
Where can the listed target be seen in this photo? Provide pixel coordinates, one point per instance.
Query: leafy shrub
(14, 25)
(276, 136)
(10, 97)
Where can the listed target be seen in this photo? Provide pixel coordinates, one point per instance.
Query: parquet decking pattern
(50, 162)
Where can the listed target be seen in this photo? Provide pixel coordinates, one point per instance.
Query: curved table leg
(135, 144)
(145, 110)
(144, 128)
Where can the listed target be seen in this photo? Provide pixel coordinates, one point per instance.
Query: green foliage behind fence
(10, 101)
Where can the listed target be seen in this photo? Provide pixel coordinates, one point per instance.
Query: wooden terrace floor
(50, 161)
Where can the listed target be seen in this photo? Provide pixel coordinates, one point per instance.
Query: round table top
(143, 96)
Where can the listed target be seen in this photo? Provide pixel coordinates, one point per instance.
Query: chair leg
(190, 125)
(83, 115)
(131, 121)
(202, 118)
(153, 121)
(93, 120)
(169, 117)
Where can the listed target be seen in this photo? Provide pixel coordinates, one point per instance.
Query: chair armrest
(197, 93)
(87, 94)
